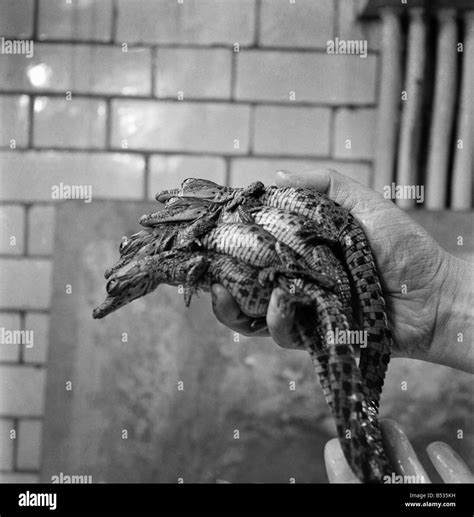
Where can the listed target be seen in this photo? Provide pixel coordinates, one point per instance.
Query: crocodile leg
(193, 276)
(290, 263)
(241, 196)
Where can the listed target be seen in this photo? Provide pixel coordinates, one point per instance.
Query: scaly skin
(132, 252)
(298, 248)
(357, 253)
(224, 238)
(335, 364)
(375, 357)
(142, 276)
(249, 242)
(146, 243)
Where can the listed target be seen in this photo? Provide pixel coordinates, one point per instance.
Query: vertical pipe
(389, 99)
(461, 189)
(410, 132)
(443, 111)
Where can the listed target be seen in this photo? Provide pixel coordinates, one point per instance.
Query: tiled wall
(227, 89)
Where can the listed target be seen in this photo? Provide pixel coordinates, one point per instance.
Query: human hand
(426, 290)
(446, 461)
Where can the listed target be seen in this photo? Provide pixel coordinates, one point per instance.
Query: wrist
(452, 333)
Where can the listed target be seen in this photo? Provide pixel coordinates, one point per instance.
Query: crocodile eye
(111, 285)
(124, 243)
(187, 182)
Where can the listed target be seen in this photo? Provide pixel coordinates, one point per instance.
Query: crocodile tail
(312, 340)
(359, 433)
(375, 357)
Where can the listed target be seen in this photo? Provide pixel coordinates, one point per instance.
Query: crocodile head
(148, 242)
(196, 188)
(178, 210)
(140, 277)
(132, 281)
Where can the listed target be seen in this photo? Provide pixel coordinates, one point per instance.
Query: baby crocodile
(297, 243)
(336, 366)
(356, 250)
(315, 237)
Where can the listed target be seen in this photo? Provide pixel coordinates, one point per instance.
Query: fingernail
(453, 466)
(336, 465)
(285, 305)
(401, 452)
(442, 453)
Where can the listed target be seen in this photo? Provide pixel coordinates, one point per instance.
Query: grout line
(180, 152)
(332, 135)
(335, 27)
(21, 360)
(154, 75)
(35, 20)
(113, 25)
(108, 124)
(23, 417)
(194, 100)
(146, 179)
(32, 364)
(22, 327)
(24, 257)
(378, 79)
(17, 311)
(16, 444)
(26, 229)
(258, 15)
(233, 75)
(251, 130)
(31, 115)
(151, 45)
(227, 171)
(371, 176)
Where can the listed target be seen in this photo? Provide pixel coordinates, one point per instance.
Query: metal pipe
(389, 99)
(408, 149)
(462, 182)
(443, 111)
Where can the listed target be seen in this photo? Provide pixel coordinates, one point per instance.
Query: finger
(337, 468)
(280, 319)
(345, 191)
(449, 465)
(227, 311)
(401, 453)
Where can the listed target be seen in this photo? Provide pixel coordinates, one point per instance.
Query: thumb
(345, 191)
